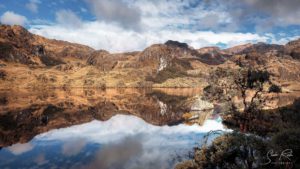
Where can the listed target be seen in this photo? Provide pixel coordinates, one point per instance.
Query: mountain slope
(20, 46)
(32, 61)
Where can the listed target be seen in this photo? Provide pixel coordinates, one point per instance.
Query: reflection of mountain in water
(24, 114)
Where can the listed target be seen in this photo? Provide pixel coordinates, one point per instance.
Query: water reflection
(126, 128)
(124, 141)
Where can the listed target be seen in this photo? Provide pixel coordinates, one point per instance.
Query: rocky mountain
(213, 55)
(262, 48)
(237, 49)
(20, 46)
(32, 61)
(293, 49)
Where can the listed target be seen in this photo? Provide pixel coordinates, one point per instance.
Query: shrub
(102, 86)
(3, 74)
(274, 89)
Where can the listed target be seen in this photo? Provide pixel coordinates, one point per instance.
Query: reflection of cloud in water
(18, 148)
(130, 142)
(40, 159)
(121, 126)
(117, 155)
(73, 147)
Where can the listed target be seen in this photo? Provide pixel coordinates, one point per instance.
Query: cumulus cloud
(116, 11)
(288, 11)
(127, 25)
(68, 18)
(12, 18)
(100, 35)
(33, 5)
(262, 14)
(189, 14)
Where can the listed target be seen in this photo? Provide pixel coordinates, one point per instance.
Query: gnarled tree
(240, 91)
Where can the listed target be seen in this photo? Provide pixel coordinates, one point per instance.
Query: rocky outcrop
(177, 44)
(293, 49)
(201, 105)
(20, 46)
(212, 55)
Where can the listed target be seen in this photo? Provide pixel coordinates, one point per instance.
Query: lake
(112, 128)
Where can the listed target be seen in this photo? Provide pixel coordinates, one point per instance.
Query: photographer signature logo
(281, 158)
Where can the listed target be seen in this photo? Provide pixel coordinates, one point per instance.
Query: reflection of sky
(121, 142)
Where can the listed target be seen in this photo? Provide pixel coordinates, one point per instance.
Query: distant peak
(176, 44)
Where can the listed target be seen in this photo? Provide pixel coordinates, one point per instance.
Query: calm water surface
(115, 129)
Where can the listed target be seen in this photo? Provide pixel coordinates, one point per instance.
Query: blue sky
(126, 25)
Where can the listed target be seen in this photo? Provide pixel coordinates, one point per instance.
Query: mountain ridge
(52, 63)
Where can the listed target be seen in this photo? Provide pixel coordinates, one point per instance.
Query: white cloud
(116, 11)
(32, 5)
(12, 18)
(158, 21)
(129, 25)
(283, 40)
(68, 18)
(114, 38)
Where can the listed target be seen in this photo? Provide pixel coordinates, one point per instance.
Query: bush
(3, 74)
(211, 92)
(275, 89)
(256, 77)
(232, 150)
(102, 86)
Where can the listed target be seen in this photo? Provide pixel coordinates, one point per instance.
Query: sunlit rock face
(20, 46)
